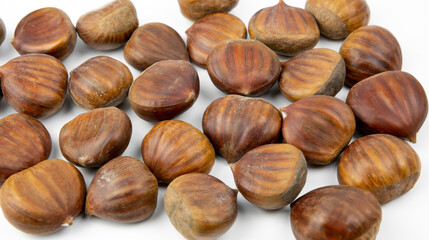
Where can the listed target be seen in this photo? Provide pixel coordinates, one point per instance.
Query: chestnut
(195, 9)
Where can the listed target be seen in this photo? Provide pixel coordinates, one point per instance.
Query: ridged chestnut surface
(236, 124)
(164, 90)
(195, 9)
(173, 148)
(34, 84)
(245, 67)
(100, 82)
(285, 29)
(338, 18)
(46, 30)
(108, 27)
(2, 31)
(271, 176)
(319, 71)
(154, 42)
(24, 142)
(370, 50)
(93, 138)
(392, 102)
(44, 198)
(336, 213)
(200, 206)
(320, 126)
(382, 164)
(210, 30)
(122, 190)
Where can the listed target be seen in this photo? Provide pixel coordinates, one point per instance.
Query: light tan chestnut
(195, 9)
(25, 142)
(271, 176)
(93, 138)
(44, 198)
(100, 82)
(173, 148)
(200, 206)
(109, 27)
(123, 190)
(382, 164)
(285, 29)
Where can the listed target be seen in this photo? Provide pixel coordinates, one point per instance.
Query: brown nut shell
(46, 30)
(382, 164)
(210, 30)
(271, 176)
(100, 82)
(24, 142)
(338, 18)
(154, 42)
(244, 67)
(319, 71)
(2, 31)
(93, 138)
(109, 27)
(370, 50)
(34, 84)
(320, 126)
(336, 213)
(236, 124)
(44, 198)
(285, 29)
(173, 148)
(123, 190)
(195, 9)
(164, 90)
(200, 206)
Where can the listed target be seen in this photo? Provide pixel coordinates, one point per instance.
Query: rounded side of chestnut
(196, 9)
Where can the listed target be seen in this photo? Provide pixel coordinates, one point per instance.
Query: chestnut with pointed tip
(196, 9)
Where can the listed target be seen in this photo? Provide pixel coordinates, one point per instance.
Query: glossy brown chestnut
(338, 18)
(236, 124)
(34, 84)
(364, 57)
(173, 148)
(24, 142)
(382, 164)
(44, 198)
(392, 102)
(244, 67)
(100, 82)
(2, 31)
(200, 206)
(154, 42)
(109, 27)
(164, 90)
(319, 71)
(195, 9)
(93, 138)
(123, 190)
(271, 176)
(46, 30)
(210, 30)
(320, 126)
(336, 213)
(285, 29)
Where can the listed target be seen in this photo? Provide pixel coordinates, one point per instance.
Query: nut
(93, 138)
(122, 190)
(2, 31)
(44, 198)
(271, 176)
(109, 27)
(195, 9)
(200, 206)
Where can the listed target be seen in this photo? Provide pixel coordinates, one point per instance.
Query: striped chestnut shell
(336, 213)
(244, 67)
(271, 176)
(44, 198)
(364, 57)
(320, 126)
(196, 9)
(93, 138)
(392, 102)
(382, 164)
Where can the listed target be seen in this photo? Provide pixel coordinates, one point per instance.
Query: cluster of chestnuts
(268, 148)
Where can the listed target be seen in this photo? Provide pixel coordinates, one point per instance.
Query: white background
(404, 218)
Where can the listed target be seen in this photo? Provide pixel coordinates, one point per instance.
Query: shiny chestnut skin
(196, 9)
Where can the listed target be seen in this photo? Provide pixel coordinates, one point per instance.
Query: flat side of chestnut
(196, 9)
